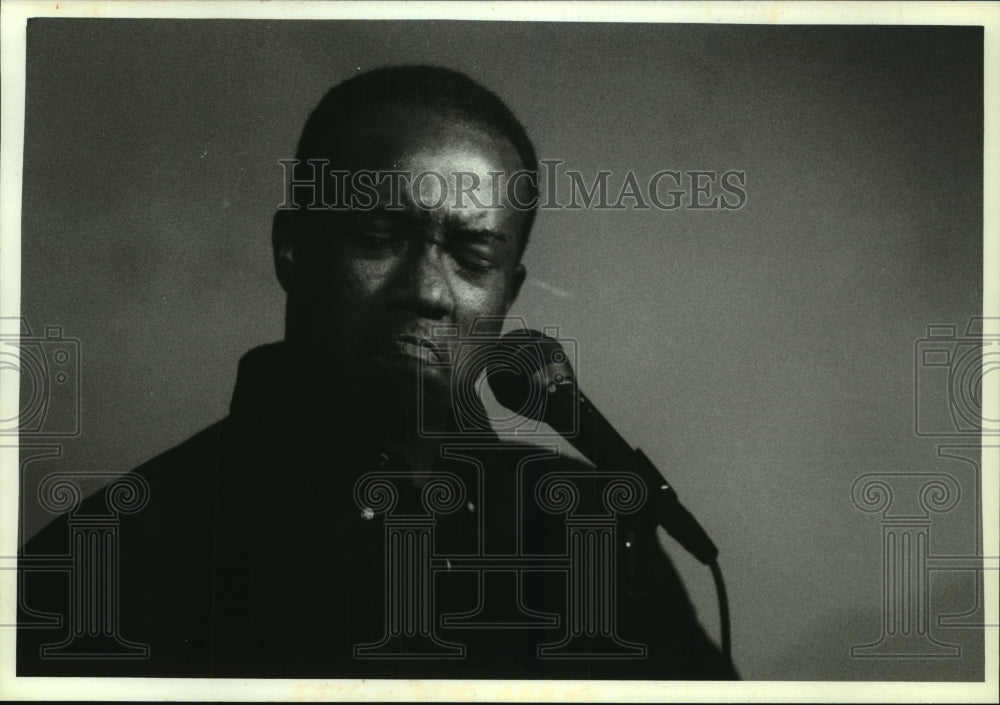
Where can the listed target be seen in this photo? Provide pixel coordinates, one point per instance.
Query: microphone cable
(724, 627)
(534, 360)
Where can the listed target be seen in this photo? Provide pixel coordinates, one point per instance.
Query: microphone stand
(600, 443)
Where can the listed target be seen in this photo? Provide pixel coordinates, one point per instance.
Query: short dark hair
(418, 86)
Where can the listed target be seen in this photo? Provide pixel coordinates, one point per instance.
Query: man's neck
(348, 410)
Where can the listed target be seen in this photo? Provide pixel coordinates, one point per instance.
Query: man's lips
(412, 347)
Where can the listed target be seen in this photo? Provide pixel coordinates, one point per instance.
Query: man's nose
(427, 289)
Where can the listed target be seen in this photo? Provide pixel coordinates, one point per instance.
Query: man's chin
(396, 386)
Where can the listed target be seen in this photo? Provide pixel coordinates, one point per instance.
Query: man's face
(371, 285)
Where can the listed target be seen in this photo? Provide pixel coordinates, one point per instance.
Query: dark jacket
(262, 553)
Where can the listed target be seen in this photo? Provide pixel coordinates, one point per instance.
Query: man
(355, 515)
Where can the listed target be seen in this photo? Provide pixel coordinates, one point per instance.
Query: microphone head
(530, 374)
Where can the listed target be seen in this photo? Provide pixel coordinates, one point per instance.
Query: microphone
(532, 376)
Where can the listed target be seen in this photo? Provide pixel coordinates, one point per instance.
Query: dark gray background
(763, 358)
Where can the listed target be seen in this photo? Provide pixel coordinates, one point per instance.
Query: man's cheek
(482, 308)
(363, 279)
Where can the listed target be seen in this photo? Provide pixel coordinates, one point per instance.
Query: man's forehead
(420, 156)
(374, 133)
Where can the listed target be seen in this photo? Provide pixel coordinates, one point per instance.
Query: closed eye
(477, 251)
(473, 261)
(377, 241)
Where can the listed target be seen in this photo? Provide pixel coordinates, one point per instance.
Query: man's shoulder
(186, 458)
(156, 523)
(181, 481)
(177, 481)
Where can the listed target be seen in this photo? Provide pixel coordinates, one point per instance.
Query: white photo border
(15, 14)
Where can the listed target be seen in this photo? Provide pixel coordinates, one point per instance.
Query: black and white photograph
(472, 344)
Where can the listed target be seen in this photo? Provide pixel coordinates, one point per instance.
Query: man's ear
(519, 274)
(283, 245)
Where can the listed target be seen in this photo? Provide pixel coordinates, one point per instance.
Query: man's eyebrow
(380, 211)
(472, 233)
